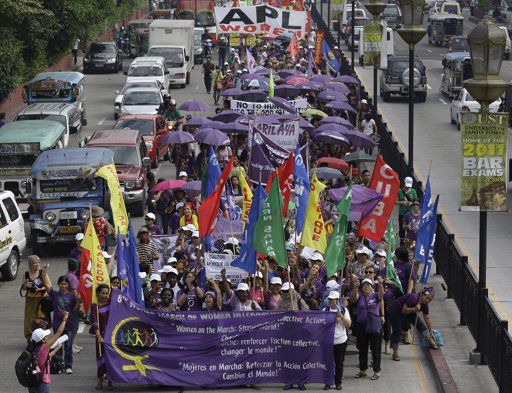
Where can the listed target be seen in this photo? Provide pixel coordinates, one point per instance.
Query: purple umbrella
(339, 87)
(347, 79)
(336, 120)
(286, 91)
(226, 116)
(262, 71)
(283, 104)
(231, 92)
(177, 138)
(321, 78)
(234, 128)
(199, 122)
(311, 86)
(336, 138)
(257, 95)
(249, 77)
(364, 200)
(211, 136)
(195, 106)
(359, 140)
(192, 187)
(339, 105)
(331, 95)
(286, 73)
(245, 119)
(331, 128)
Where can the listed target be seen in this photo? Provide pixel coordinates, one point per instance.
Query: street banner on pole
(372, 36)
(319, 44)
(484, 162)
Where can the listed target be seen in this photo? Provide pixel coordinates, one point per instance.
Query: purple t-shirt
(155, 230)
(410, 300)
(403, 270)
(414, 222)
(389, 292)
(62, 302)
(367, 304)
(192, 302)
(73, 281)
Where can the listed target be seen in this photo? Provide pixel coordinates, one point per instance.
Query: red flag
(85, 283)
(209, 209)
(319, 41)
(294, 47)
(384, 180)
(285, 181)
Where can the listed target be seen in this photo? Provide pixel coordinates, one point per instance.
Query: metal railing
(476, 309)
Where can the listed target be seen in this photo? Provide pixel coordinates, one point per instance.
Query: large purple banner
(217, 349)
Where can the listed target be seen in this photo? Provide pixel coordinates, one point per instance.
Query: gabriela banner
(484, 162)
(217, 349)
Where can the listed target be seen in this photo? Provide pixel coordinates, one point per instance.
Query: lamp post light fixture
(375, 7)
(412, 32)
(486, 44)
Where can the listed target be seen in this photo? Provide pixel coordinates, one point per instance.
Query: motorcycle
(124, 44)
(207, 47)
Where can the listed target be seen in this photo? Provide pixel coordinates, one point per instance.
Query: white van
(12, 236)
(387, 46)
(347, 17)
(150, 68)
(506, 53)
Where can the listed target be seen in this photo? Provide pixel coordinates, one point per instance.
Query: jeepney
(62, 188)
(20, 144)
(442, 26)
(456, 69)
(138, 31)
(60, 86)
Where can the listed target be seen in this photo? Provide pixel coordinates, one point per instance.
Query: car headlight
(84, 214)
(113, 60)
(50, 216)
(87, 59)
(133, 184)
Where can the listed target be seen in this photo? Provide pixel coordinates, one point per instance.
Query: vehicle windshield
(143, 125)
(397, 68)
(469, 97)
(97, 47)
(390, 11)
(197, 40)
(451, 8)
(137, 84)
(43, 116)
(143, 70)
(141, 98)
(173, 56)
(125, 155)
(68, 185)
(460, 44)
(19, 160)
(358, 22)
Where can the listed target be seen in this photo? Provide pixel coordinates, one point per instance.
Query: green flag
(271, 85)
(335, 251)
(390, 269)
(269, 229)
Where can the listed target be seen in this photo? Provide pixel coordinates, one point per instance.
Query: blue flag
(302, 188)
(331, 60)
(213, 173)
(423, 238)
(247, 258)
(428, 261)
(134, 290)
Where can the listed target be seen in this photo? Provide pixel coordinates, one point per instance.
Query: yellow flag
(109, 173)
(314, 233)
(247, 195)
(99, 270)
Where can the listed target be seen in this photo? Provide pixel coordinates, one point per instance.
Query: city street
(437, 144)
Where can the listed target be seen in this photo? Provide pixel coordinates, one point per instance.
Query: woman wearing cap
(190, 295)
(272, 294)
(99, 318)
(42, 344)
(238, 300)
(290, 299)
(152, 297)
(405, 309)
(146, 250)
(174, 219)
(193, 251)
(412, 222)
(369, 331)
(76, 252)
(64, 302)
(405, 197)
(257, 292)
(343, 323)
(188, 217)
(153, 229)
(32, 284)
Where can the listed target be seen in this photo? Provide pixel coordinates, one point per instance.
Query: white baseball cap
(332, 284)
(232, 240)
(79, 236)
(172, 260)
(179, 205)
(367, 281)
(151, 215)
(317, 256)
(408, 181)
(168, 269)
(259, 274)
(189, 227)
(381, 252)
(276, 280)
(242, 287)
(195, 234)
(286, 286)
(106, 255)
(142, 274)
(39, 334)
(155, 277)
(363, 250)
(334, 295)
(183, 173)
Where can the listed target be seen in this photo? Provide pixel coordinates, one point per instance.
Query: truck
(174, 40)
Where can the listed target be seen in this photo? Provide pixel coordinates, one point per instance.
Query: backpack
(56, 365)
(27, 368)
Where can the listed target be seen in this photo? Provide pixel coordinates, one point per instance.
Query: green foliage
(37, 33)
(485, 5)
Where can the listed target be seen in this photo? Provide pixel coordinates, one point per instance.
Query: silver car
(141, 101)
(120, 94)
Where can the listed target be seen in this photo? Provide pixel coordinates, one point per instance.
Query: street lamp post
(412, 32)
(487, 44)
(375, 7)
(352, 32)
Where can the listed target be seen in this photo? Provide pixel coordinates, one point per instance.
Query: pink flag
(294, 47)
(250, 60)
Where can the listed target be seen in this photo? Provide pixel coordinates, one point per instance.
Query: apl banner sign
(260, 19)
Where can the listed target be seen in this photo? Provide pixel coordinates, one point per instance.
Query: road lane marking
(419, 370)
(429, 50)
(81, 328)
(102, 121)
(429, 87)
(443, 101)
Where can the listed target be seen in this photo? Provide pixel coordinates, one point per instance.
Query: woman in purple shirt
(405, 309)
(190, 295)
(368, 310)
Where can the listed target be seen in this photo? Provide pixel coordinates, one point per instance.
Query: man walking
(208, 68)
